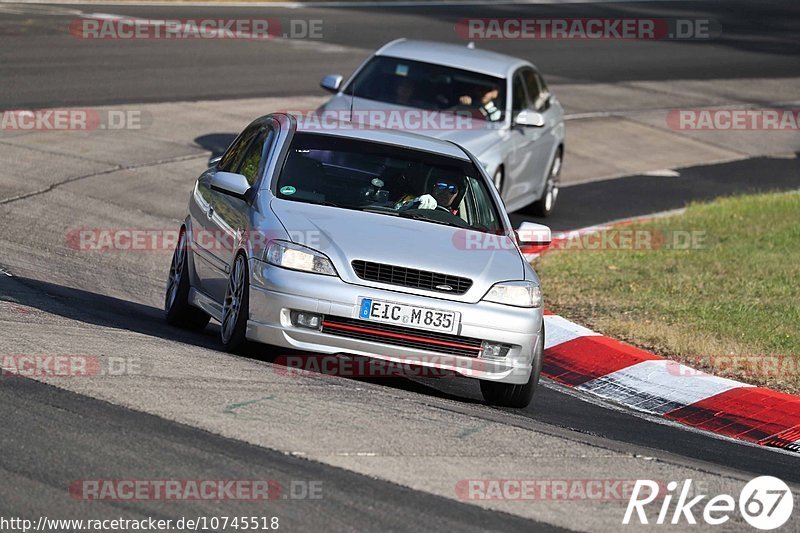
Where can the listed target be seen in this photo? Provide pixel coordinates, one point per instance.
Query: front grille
(401, 336)
(411, 277)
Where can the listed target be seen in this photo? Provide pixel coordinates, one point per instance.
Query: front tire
(236, 307)
(177, 309)
(544, 206)
(517, 396)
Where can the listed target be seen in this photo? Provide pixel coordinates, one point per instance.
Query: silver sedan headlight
(516, 293)
(295, 257)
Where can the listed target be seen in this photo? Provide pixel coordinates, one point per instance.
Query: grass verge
(717, 287)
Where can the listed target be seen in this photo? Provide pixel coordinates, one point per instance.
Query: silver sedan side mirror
(230, 183)
(331, 83)
(532, 234)
(526, 117)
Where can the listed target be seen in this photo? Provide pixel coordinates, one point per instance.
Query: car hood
(345, 235)
(477, 136)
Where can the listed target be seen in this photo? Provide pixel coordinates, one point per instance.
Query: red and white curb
(587, 361)
(559, 238)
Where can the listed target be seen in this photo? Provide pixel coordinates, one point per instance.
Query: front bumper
(274, 292)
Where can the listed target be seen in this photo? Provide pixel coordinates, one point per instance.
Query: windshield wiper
(378, 209)
(313, 202)
(418, 215)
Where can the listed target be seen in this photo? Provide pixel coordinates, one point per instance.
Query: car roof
(382, 135)
(453, 55)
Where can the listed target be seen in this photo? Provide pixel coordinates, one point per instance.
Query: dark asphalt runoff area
(589, 204)
(52, 438)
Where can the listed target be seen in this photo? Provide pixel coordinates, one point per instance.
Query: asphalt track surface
(42, 64)
(121, 442)
(52, 437)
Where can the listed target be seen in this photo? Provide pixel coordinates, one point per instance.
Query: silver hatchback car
(367, 242)
(518, 127)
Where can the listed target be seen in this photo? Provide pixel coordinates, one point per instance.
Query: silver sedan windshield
(427, 86)
(387, 179)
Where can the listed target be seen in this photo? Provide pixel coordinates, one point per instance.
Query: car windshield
(387, 179)
(431, 87)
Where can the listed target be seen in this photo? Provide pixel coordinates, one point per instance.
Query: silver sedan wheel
(552, 184)
(233, 299)
(175, 272)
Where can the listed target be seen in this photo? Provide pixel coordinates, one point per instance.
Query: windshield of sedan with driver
(387, 179)
(433, 87)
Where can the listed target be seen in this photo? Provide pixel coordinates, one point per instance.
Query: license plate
(408, 315)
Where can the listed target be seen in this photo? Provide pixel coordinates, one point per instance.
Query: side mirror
(526, 117)
(530, 234)
(230, 183)
(331, 83)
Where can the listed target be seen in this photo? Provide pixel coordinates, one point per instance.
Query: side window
(537, 90)
(251, 161)
(519, 98)
(484, 215)
(233, 155)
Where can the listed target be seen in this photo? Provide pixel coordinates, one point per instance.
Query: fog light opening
(304, 319)
(492, 350)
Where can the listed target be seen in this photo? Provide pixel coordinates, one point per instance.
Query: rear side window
(519, 98)
(233, 155)
(537, 90)
(482, 214)
(255, 154)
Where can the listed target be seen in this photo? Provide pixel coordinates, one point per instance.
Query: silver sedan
(376, 243)
(517, 131)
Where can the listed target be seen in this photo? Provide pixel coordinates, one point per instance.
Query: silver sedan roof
(453, 55)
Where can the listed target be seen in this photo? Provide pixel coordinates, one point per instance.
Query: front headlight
(516, 293)
(293, 256)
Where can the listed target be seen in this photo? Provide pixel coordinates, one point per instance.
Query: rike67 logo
(765, 503)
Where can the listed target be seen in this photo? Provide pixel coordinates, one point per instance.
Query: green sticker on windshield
(288, 190)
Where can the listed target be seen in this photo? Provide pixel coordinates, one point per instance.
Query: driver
(484, 99)
(442, 195)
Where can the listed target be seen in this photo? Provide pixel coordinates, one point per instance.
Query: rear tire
(177, 309)
(545, 205)
(517, 396)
